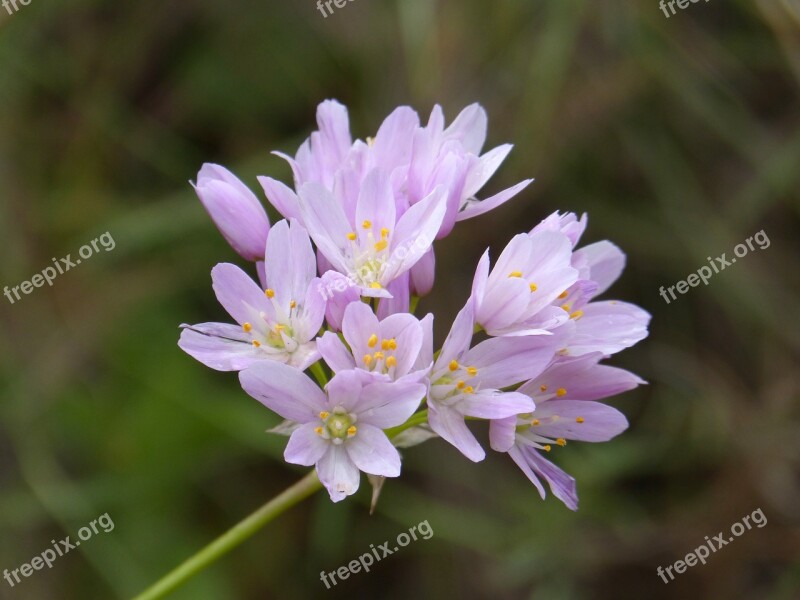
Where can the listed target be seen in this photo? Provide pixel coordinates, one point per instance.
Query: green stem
(319, 373)
(232, 538)
(414, 420)
(413, 307)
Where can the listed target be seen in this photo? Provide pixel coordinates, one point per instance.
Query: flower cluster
(338, 280)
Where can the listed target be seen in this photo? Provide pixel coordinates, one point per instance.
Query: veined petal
(338, 473)
(450, 425)
(605, 262)
(388, 404)
(485, 168)
(469, 127)
(459, 338)
(238, 294)
(493, 404)
(423, 274)
(503, 362)
(502, 433)
(581, 420)
(326, 222)
(284, 390)
(335, 353)
(281, 196)
(372, 452)
(305, 447)
(290, 262)
(219, 346)
(474, 207)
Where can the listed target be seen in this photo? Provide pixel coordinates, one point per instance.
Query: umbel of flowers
(336, 285)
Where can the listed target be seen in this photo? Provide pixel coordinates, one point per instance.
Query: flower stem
(232, 538)
(414, 420)
(319, 373)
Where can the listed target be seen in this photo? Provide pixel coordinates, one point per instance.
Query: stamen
(375, 285)
(270, 293)
(460, 384)
(384, 232)
(324, 415)
(385, 345)
(373, 339)
(515, 274)
(391, 361)
(393, 344)
(351, 431)
(453, 366)
(256, 343)
(576, 315)
(546, 448)
(378, 356)
(472, 371)
(292, 304)
(381, 245)
(543, 388)
(561, 442)
(533, 287)
(565, 307)
(579, 419)
(351, 236)
(469, 390)
(279, 328)
(535, 422)
(367, 359)
(318, 431)
(366, 224)
(563, 295)
(247, 327)
(561, 392)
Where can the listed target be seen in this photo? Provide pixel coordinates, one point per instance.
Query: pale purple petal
(450, 425)
(305, 447)
(388, 404)
(581, 420)
(502, 433)
(519, 455)
(493, 404)
(281, 196)
(335, 353)
(485, 168)
(326, 222)
(608, 327)
(372, 452)
(338, 291)
(502, 362)
(238, 294)
(469, 127)
(605, 262)
(338, 474)
(423, 274)
(400, 302)
(290, 262)
(561, 484)
(219, 346)
(459, 338)
(284, 390)
(415, 232)
(474, 207)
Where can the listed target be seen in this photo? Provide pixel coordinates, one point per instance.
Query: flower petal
(450, 425)
(305, 447)
(238, 294)
(338, 473)
(372, 452)
(219, 346)
(284, 390)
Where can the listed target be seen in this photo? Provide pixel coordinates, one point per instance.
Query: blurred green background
(679, 136)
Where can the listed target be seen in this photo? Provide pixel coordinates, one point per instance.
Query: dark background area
(679, 136)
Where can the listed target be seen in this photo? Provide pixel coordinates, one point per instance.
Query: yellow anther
(391, 361)
(292, 304)
(324, 415)
(563, 295)
(515, 274)
(318, 430)
(393, 344)
(563, 352)
(279, 328)
(270, 293)
(542, 388)
(351, 236)
(366, 224)
(247, 327)
(535, 422)
(351, 431)
(384, 344)
(453, 366)
(561, 442)
(533, 287)
(561, 392)
(566, 307)
(576, 315)
(384, 232)
(373, 339)
(460, 385)
(367, 359)
(469, 390)
(378, 356)
(375, 285)
(472, 371)
(381, 245)
(256, 343)
(547, 448)
(579, 419)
